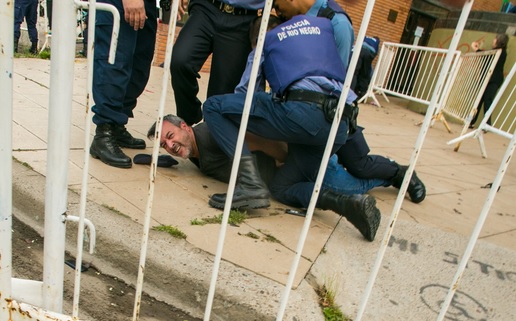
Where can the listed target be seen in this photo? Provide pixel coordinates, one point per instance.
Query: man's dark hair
(254, 30)
(501, 41)
(173, 119)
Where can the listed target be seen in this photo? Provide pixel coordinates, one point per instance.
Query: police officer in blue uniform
(220, 28)
(117, 86)
(354, 155)
(305, 72)
(364, 69)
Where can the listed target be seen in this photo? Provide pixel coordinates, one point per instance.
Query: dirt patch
(103, 297)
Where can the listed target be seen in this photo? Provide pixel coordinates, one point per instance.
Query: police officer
(217, 27)
(363, 71)
(354, 155)
(117, 86)
(305, 72)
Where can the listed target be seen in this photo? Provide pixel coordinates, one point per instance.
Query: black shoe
(126, 140)
(105, 148)
(250, 190)
(34, 48)
(359, 210)
(16, 45)
(416, 188)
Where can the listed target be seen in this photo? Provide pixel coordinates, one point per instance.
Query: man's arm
(344, 37)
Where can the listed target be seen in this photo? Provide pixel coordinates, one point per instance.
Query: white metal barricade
(466, 86)
(42, 299)
(478, 227)
(505, 121)
(407, 71)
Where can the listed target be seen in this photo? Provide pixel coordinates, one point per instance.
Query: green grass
(172, 230)
(252, 235)
(330, 309)
(235, 218)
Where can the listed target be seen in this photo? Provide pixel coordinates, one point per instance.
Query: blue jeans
(302, 125)
(341, 181)
(117, 86)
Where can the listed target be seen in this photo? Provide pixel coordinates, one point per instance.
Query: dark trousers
(207, 31)
(486, 101)
(302, 125)
(117, 86)
(354, 156)
(27, 9)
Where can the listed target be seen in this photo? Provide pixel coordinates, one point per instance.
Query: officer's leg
(141, 64)
(31, 17)
(231, 41)
(18, 19)
(142, 59)
(222, 114)
(354, 156)
(192, 47)
(110, 83)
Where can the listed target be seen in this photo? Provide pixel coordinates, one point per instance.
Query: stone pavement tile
(24, 139)
(415, 274)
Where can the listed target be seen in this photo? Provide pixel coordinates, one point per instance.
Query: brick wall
(487, 5)
(379, 24)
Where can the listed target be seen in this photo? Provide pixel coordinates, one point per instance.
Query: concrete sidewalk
(427, 243)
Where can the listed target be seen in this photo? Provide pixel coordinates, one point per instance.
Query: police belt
(227, 8)
(328, 105)
(318, 98)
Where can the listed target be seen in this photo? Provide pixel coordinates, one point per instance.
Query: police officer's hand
(134, 13)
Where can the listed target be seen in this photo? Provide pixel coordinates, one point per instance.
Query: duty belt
(328, 105)
(227, 8)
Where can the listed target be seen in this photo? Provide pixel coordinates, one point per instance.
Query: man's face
(177, 141)
(285, 8)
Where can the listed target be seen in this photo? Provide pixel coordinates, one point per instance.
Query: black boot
(416, 188)
(34, 48)
(105, 147)
(359, 210)
(250, 190)
(125, 139)
(16, 45)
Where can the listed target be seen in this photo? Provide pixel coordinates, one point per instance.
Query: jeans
(341, 181)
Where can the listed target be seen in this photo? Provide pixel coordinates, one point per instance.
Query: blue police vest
(301, 47)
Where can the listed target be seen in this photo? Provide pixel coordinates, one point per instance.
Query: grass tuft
(172, 230)
(235, 218)
(330, 309)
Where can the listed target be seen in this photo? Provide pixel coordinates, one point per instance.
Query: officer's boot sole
(367, 218)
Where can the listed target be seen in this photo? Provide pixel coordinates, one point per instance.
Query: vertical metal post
(59, 124)
(6, 116)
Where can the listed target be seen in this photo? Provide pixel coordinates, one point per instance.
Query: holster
(329, 108)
